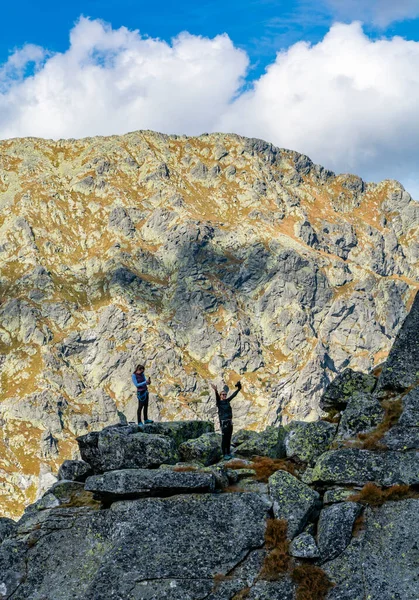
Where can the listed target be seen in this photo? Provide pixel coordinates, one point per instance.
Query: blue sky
(337, 80)
(261, 27)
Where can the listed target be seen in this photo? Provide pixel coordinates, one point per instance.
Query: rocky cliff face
(307, 511)
(208, 257)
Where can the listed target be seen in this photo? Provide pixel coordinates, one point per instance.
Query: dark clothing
(227, 432)
(224, 409)
(142, 405)
(225, 414)
(140, 382)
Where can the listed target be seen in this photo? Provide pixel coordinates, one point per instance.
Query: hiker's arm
(134, 380)
(234, 394)
(217, 395)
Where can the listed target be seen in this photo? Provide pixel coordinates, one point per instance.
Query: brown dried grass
(375, 496)
(242, 594)
(312, 582)
(265, 467)
(278, 560)
(236, 463)
(392, 411)
(185, 469)
(359, 525)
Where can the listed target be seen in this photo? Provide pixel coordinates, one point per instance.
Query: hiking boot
(148, 421)
(227, 457)
(140, 424)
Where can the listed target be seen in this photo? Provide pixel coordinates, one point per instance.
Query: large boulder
(65, 494)
(335, 528)
(7, 527)
(131, 483)
(362, 414)
(345, 385)
(283, 589)
(410, 413)
(206, 449)
(125, 448)
(292, 500)
(180, 431)
(402, 438)
(306, 441)
(351, 466)
(382, 562)
(267, 443)
(405, 435)
(243, 435)
(74, 470)
(304, 546)
(401, 369)
(144, 549)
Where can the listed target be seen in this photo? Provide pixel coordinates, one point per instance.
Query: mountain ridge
(204, 257)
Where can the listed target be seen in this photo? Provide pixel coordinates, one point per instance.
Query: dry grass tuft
(359, 525)
(237, 464)
(234, 489)
(375, 496)
(312, 582)
(278, 560)
(185, 469)
(265, 467)
(242, 594)
(393, 409)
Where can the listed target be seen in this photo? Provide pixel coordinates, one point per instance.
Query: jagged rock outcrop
(198, 256)
(257, 527)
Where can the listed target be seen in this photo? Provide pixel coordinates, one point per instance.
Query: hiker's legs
(146, 408)
(228, 436)
(227, 432)
(139, 411)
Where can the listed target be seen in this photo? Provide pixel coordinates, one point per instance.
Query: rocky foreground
(326, 509)
(202, 257)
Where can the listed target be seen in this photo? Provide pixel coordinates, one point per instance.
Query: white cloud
(113, 81)
(379, 12)
(350, 103)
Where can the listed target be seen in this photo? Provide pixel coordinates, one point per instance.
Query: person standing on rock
(225, 414)
(141, 383)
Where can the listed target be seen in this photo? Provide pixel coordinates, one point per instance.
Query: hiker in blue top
(141, 382)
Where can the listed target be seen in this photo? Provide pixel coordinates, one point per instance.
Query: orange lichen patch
(287, 226)
(191, 365)
(312, 582)
(376, 496)
(16, 384)
(276, 353)
(277, 562)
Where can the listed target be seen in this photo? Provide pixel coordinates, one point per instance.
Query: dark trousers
(226, 432)
(142, 398)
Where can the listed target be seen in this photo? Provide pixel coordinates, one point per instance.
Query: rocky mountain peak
(209, 258)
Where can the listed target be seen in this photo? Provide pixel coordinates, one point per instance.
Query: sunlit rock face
(211, 258)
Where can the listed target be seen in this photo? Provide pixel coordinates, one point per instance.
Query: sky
(337, 80)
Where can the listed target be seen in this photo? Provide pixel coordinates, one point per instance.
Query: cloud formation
(113, 81)
(379, 12)
(350, 103)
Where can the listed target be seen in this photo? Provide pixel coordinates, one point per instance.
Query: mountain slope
(208, 257)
